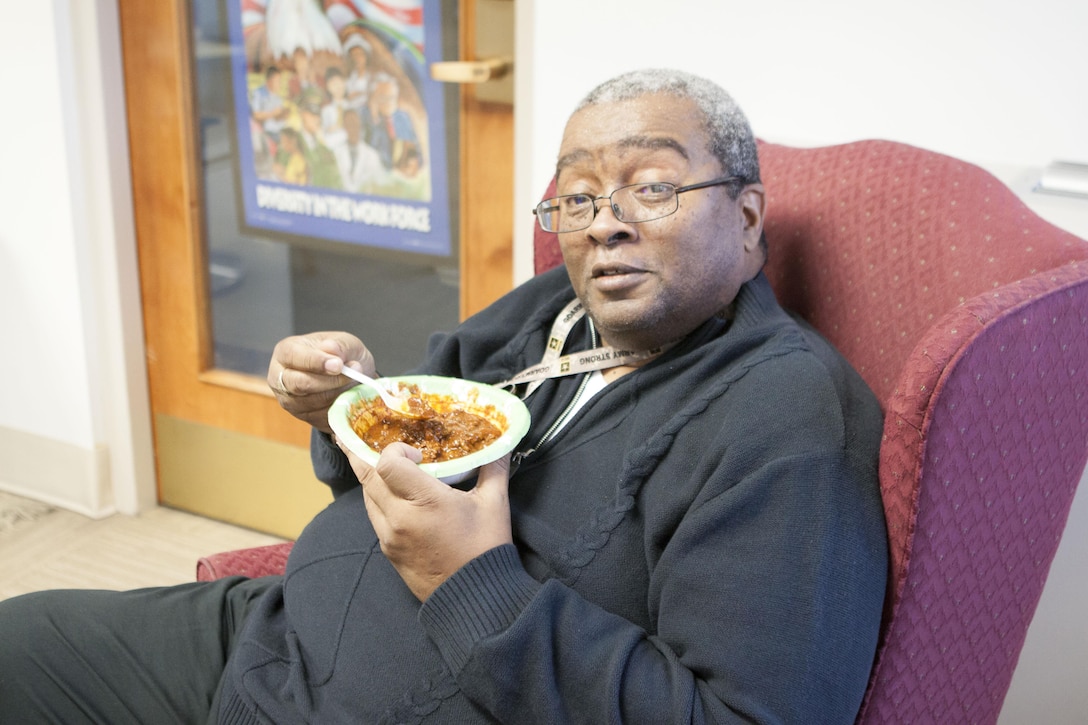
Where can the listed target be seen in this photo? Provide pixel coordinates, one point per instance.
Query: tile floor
(45, 547)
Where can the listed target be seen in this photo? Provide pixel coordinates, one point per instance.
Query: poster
(341, 131)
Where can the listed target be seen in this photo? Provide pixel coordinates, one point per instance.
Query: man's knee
(30, 644)
(26, 623)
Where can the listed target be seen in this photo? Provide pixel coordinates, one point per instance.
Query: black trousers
(149, 656)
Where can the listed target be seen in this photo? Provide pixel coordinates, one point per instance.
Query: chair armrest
(252, 563)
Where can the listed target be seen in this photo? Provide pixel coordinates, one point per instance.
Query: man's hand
(427, 529)
(305, 373)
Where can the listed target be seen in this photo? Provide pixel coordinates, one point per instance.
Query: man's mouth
(614, 278)
(612, 270)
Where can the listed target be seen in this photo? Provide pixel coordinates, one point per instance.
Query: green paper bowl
(503, 409)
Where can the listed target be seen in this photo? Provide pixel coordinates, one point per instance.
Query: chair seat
(253, 562)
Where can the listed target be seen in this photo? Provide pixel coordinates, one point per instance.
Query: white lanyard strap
(553, 364)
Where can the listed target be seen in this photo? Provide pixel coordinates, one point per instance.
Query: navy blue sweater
(703, 542)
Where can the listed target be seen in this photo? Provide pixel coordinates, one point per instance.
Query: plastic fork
(401, 402)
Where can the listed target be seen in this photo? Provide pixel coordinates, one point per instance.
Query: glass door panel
(265, 285)
(219, 289)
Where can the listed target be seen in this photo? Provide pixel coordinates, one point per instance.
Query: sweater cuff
(481, 599)
(331, 466)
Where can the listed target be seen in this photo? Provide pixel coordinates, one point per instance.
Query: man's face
(385, 99)
(650, 283)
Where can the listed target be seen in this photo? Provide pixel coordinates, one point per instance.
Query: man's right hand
(305, 374)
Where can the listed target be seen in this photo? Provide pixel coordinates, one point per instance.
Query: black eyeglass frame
(539, 211)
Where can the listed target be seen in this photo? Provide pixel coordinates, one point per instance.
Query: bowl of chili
(464, 425)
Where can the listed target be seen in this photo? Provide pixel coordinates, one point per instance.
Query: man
(332, 113)
(360, 166)
(694, 535)
(390, 129)
(267, 106)
(320, 160)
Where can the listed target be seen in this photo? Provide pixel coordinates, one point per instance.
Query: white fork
(397, 402)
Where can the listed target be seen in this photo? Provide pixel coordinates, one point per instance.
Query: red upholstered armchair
(968, 316)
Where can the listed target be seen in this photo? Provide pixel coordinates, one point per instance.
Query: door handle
(471, 71)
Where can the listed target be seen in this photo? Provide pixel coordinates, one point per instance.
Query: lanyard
(554, 364)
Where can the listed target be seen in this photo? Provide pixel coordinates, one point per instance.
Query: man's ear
(753, 203)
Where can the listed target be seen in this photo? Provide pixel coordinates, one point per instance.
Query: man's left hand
(427, 529)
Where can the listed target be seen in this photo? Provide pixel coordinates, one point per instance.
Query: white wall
(73, 416)
(1002, 84)
(998, 82)
(39, 283)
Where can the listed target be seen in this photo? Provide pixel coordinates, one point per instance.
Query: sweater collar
(755, 301)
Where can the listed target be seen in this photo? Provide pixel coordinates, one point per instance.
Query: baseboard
(55, 472)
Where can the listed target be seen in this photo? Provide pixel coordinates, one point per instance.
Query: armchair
(967, 314)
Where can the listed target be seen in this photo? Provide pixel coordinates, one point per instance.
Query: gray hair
(727, 128)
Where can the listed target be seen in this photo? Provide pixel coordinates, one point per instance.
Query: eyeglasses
(631, 204)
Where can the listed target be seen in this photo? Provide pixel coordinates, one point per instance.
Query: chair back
(967, 314)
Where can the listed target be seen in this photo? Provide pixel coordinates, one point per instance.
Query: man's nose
(612, 207)
(607, 227)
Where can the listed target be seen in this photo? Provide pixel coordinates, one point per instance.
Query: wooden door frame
(487, 242)
(166, 196)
